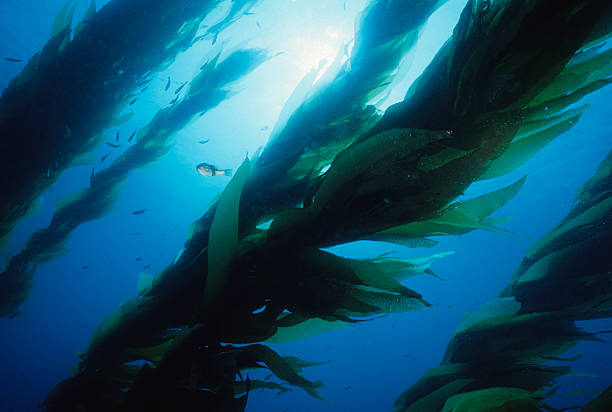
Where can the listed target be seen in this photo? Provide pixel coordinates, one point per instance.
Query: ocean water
(367, 365)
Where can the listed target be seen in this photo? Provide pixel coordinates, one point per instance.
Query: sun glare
(317, 49)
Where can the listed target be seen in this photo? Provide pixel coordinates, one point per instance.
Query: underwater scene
(306, 205)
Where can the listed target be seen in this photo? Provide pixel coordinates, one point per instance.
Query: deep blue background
(372, 363)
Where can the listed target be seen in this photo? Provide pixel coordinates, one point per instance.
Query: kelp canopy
(499, 358)
(152, 142)
(80, 84)
(74, 88)
(336, 171)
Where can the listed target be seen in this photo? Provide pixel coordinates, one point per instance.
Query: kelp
(67, 94)
(337, 111)
(209, 88)
(494, 399)
(458, 218)
(522, 150)
(88, 15)
(600, 404)
(64, 17)
(238, 9)
(545, 119)
(223, 243)
(506, 345)
(211, 381)
(462, 114)
(307, 328)
(433, 400)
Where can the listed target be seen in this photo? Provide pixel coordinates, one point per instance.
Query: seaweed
(96, 201)
(70, 91)
(405, 167)
(600, 404)
(223, 243)
(504, 347)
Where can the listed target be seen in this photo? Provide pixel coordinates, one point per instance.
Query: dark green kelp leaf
(223, 237)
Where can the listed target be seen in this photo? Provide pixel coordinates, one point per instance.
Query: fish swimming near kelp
(208, 170)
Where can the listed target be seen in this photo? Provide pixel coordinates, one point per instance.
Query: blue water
(370, 364)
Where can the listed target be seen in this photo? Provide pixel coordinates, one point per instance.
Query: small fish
(117, 136)
(348, 388)
(133, 101)
(136, 233)
(203, 141)
(174, 100)
(263, 129)
(13, 60)
(248, 13)
(178, 89)
(139, 212)
(407, 355)
(104, 157)
(114, 146)
(138, 259)
(167, 84)
(258, 25)
(147, 266)
(208, 170)
(82, 327)
(84, 267)
(280, 53)
(132, 136)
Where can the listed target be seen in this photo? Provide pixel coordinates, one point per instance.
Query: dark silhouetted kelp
(498, 84)
(600, 404)
(238, 8)
(208, 89)
(73, 89)
(500, 353)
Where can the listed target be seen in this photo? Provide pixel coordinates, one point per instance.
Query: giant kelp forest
(336, 170)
